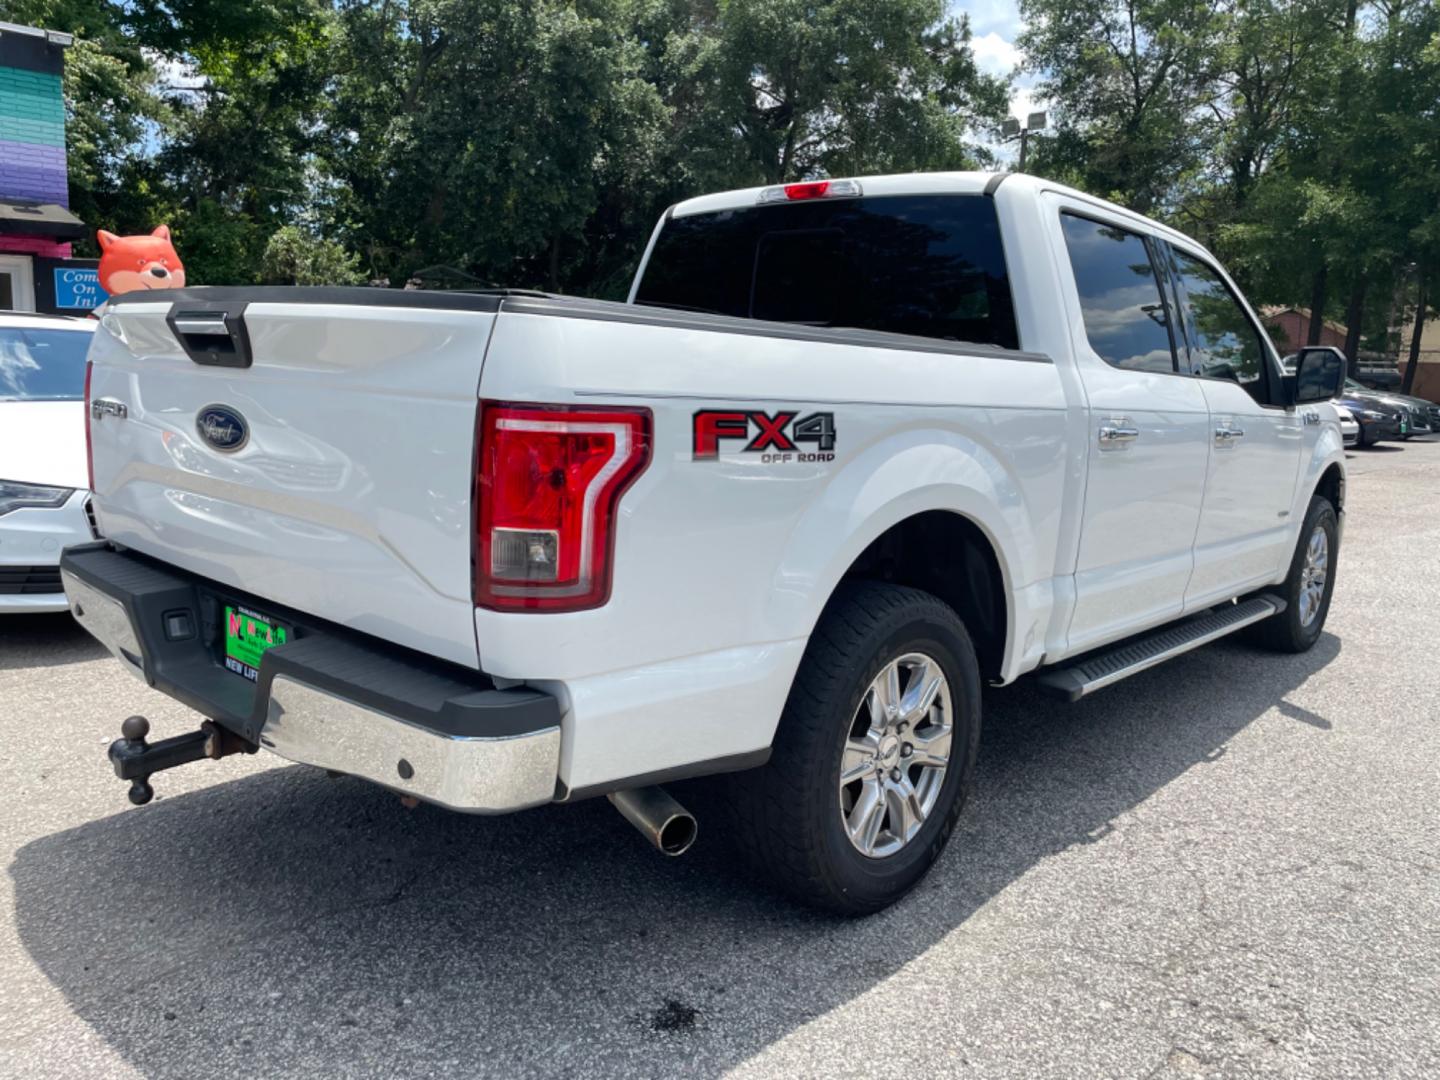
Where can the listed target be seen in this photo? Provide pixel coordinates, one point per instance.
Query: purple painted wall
(33, 171)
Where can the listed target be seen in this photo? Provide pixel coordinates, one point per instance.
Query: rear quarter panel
(723, 566)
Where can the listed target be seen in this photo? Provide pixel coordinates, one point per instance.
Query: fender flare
(876, 491)
(1329, 450)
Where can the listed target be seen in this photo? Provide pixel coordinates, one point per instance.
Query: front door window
(1224, 343)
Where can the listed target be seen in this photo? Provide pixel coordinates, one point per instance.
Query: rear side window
(42, 365)
(1125, 319)
(930, 265)
(1224, 343)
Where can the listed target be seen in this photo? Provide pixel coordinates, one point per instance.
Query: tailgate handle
(214, 335)
(202, 325)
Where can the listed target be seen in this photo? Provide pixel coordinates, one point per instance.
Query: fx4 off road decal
(776, 438)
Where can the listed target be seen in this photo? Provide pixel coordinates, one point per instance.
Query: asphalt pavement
(1228, 865)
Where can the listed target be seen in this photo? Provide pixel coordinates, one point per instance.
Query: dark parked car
(1380, 415)
(1423, 417)
(1377, 420)
(1375, 378)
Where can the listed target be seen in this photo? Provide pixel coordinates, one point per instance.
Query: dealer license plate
(247, 635)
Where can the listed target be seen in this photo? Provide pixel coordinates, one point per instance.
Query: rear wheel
(874, 755)
(1308, 586)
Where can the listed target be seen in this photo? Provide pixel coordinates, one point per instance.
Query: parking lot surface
(1228, 865)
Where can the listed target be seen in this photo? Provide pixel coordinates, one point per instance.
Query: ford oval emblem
(222, 427)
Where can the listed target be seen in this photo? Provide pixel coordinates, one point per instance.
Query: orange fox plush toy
(128, 263)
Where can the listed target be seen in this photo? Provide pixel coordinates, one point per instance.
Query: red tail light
(89, 449)
(548, 481)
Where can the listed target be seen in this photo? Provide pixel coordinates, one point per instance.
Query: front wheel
(1307, 588)
(874, 755)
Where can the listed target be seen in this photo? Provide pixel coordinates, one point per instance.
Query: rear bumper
(328, 697)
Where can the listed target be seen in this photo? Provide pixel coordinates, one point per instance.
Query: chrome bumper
(476, 775)
(327, 698)
(106, 619)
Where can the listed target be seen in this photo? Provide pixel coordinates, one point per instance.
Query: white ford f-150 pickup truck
(851, 450)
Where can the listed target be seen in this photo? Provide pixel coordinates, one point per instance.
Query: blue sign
(78, 287)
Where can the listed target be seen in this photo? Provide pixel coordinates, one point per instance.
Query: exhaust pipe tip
(670, 828)
(677, 834)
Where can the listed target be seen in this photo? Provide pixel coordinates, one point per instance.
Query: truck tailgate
(332, 475)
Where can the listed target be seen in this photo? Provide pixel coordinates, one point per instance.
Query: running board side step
(1134, 656)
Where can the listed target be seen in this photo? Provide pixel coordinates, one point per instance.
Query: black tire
(786, 815)
(1286, 632)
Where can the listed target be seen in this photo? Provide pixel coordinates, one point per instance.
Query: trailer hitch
(135, 759)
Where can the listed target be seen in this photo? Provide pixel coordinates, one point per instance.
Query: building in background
(37, 270)
(1289, 326)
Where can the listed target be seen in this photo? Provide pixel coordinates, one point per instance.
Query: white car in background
(43, 470)
(1349, 426)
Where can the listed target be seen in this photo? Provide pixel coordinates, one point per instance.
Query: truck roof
(934, 183)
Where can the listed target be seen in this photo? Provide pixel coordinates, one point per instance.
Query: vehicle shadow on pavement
(288, 923)
(33, 641)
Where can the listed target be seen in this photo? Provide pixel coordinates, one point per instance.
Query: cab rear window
(929, 265)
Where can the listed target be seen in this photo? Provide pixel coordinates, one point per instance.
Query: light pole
(1011, 129)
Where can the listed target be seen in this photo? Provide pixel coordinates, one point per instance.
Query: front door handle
(1226, 434)
(1118, 434)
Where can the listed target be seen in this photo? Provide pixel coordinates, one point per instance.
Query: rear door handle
(1118, 434)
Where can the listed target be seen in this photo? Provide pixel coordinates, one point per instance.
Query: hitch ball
(133, 732)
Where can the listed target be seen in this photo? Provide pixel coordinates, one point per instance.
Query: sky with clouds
(995, 24)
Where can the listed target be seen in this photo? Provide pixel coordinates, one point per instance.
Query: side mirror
(1319, 375)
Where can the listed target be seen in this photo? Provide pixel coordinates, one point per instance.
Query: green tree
(481, 134)
(239, 156)
(534, 142)
(295, 257)
(1274, 202)
(796, 88)
(1128, 82)
(1363, 162)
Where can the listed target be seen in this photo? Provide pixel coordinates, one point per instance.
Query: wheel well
(1332, 487)
(947, 556)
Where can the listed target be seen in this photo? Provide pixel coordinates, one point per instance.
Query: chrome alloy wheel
(896, 754)
(1313, 575)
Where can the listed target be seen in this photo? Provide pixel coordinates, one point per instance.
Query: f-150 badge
(778, 438)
